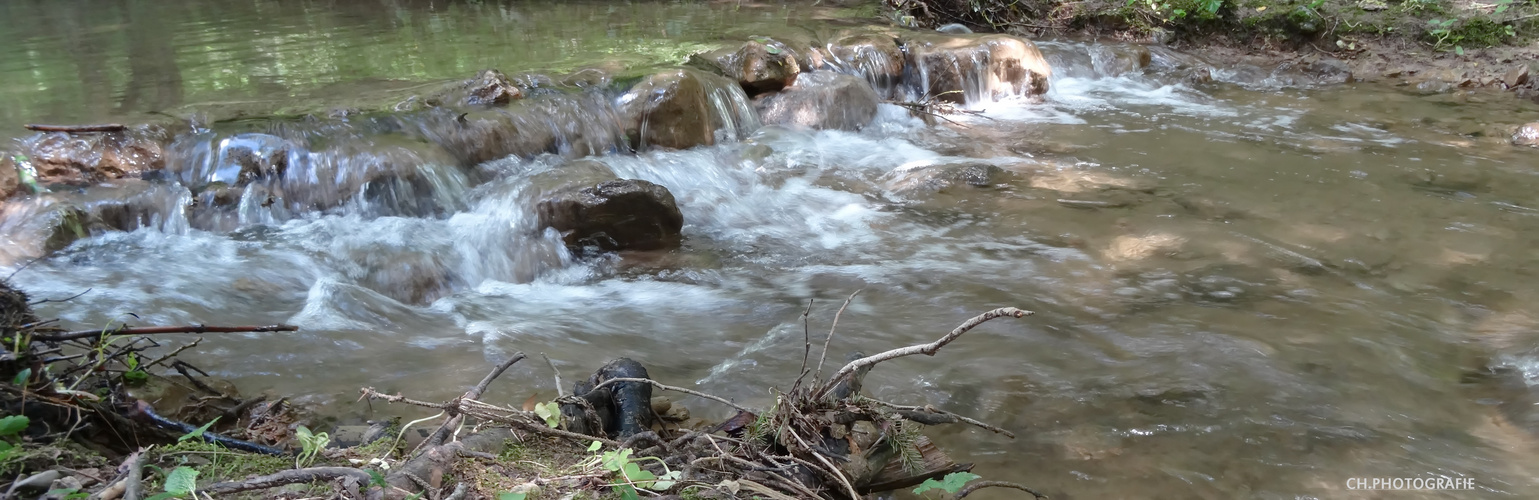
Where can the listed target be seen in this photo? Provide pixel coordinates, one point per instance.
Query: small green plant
(631, 473)
(197, 433)
(134, 375)
(67, 494)
(181, 482)
(950, 484)
(1442, 33)
(551, 412)
(511, 496)
(311, 445)
(10, 427)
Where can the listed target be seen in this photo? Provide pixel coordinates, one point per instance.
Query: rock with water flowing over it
(969, 68)
(760, 66)
(678, 109)
(623, 214)
(821, 100)
(875, 56)
(80, 159)
(491, 87)
(1527, 135)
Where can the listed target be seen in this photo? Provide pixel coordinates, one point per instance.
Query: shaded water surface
(1242, 291)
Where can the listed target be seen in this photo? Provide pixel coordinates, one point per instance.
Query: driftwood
(157, 330)
(106, 127)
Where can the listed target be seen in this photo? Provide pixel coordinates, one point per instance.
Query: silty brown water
(1244, 289)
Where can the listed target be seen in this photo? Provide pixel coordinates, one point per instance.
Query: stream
(1249, 287)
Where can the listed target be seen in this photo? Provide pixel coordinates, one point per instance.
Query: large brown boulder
(759, 66)
(821, 100)
(87, 158)
(964, 68)
(622, 214)
(1527, 135)
(678, 109)
(491, 87)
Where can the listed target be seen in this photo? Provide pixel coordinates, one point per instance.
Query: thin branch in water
(826, 341)
(559, 392)
(925, 349)
(105, 127)
(978, 485)
(928, 415)
(662, 386)
(806, 345)
(155, 330)
(66, 299)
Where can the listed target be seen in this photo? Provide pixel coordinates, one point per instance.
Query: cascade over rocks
(970, 68)
(760, 66)
(680, 109)
(877, 57)
(621, 214)
(821, 100)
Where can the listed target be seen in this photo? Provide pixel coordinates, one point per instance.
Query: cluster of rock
(718, 96)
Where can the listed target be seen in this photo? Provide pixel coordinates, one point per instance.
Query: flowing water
(1243, 289)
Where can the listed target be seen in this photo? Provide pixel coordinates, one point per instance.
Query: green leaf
(595, 446)
(22, 377)
(162, 496)
(14, 424)
(182, 480)
(133, 362)
(665, 482)
(626, 492)
(511, 496)
(952, 483)
(197, 433)
(1459, 50)
(551, 412)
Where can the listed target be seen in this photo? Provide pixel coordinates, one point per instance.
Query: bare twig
(66, 299)
(978, 485)
(818, 374)
(806, 346)
(162, 359)
(454, 422)
(475, 392)
(837, 473)
(106, 127)
(288, 477)
(559, 392)
(925, 349)
(677, 389)
(930, 415)
(153, 330)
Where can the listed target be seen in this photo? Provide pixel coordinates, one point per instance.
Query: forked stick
(925, 349)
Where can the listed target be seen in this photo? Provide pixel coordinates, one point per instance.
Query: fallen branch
(926, 349)
(826, 341)
(978, 485)
(665, 387)
(105, 127)
(154, 330)
(453, 423)
(288, 477)
(133, 485)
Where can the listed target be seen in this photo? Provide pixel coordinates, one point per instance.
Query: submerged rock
(623, 214)
(821, 100)
(969, 68)
(491, 87)
(944, 178)
(954, 29)
(1527, 135)
(10, 179)
(759, 66)
(79, 159)
(682, 108)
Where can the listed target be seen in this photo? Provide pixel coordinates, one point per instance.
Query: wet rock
(1517, 77)
(877, 57)
(624, 214)
(761, 65)
(10, 179)
(821, 100)
(484, 135)
(678, 109)
(954, 29)
(491, 87)
(409, 277)
(970, 68)
(79, 159)
(1328, 70)
(945, 178)
(65, 224)
(248, 157)
(1527, 135)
